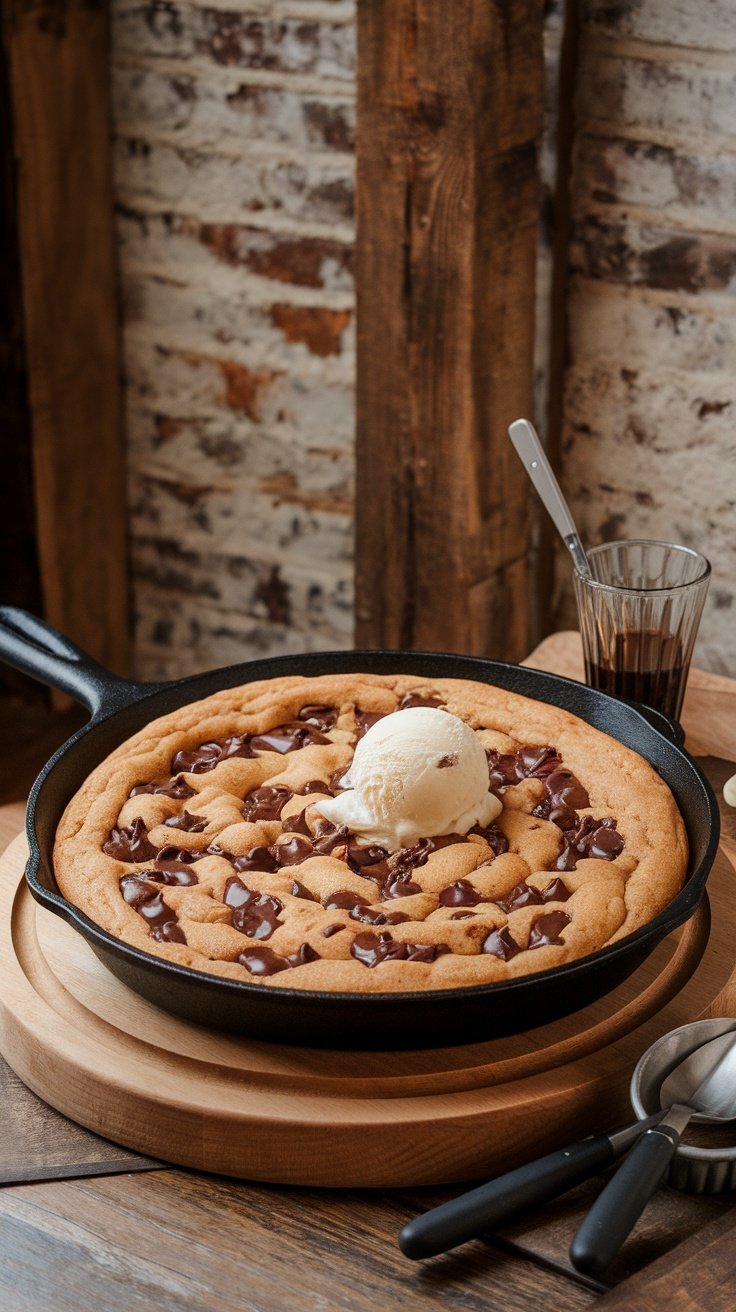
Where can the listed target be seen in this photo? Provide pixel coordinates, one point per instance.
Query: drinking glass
(639, 613)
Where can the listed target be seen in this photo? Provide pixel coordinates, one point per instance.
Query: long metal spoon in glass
(531, 452)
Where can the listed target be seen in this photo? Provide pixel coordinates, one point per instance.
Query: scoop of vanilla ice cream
(416, 773)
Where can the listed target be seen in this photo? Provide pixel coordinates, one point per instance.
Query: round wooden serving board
(113, 1062)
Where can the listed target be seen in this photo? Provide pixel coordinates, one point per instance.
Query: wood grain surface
(700, 1273)
(57, 53)
(449, 118)
(185, 1241)
(123, 1068)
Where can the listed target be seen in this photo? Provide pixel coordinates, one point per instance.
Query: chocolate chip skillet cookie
(364, 833)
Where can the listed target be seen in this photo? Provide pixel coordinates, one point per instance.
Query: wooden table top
(86, 1224)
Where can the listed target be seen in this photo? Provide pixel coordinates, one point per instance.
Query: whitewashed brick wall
(650, 425)
(234, 140)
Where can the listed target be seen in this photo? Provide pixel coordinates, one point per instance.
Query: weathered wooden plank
(186, 1242)
(58, 58)
(698, 1273)
(449, 116)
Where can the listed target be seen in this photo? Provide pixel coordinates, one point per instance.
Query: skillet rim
(135, 695)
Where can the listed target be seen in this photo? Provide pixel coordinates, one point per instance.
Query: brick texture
(649, 447)
(234, 145)
(234, 155)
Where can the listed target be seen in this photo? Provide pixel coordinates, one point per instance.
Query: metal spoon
(705, 1083)
(530, 450)
(500, 1200)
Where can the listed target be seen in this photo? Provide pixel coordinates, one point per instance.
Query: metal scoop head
(706, 1080)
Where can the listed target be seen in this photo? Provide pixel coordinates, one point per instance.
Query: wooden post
(57, 52)
(449, 117)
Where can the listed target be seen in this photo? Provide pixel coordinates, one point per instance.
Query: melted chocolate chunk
(419, 699)
(296, 824)
(327, 838)
(293, 852)
(171, 857)
(360, 855)
(262, 961)
(303, 955)
(365, 720)
(329, 930)
(506, 768)
(254, 914)
(191, 824)
(177, 788)
(495, 837)
(545, 929)
(522, 895)
(289, 737)
(335, 785)
(462, 915)
(322, 836)
(257, 858)
(372, 949)
(314, 786)
(590, 838)
(148, 902)
(130, 844)
(374, 916)
(557, 891)
(343, 899)
(500, 943)
(202, 759)
(176, 878)
(400, 885)
(322, 717)
(266, 803)
(136, 890)
(299, 890)
(393, 875)
(563, 793)
(447, 762)
(460, 894)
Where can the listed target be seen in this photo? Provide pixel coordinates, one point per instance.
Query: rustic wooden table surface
(86, 1224)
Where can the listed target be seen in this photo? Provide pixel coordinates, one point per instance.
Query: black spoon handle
(507, 1196)
(620, 1204)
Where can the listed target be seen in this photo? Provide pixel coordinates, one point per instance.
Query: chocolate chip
(501, 943)
(266, 803)
(460, 894)
(545, 929)
(191, 824)
(130, 844)
(288, 737)
(253, 914)
(322, 717)
(177, 788)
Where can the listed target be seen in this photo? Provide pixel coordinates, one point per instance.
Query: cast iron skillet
(120, 707)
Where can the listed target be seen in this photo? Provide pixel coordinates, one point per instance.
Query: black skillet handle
(30, 645)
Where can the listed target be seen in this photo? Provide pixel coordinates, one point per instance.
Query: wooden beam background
(449, 119)
(57, 52)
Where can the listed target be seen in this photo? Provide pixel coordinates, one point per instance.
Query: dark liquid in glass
(642, 666)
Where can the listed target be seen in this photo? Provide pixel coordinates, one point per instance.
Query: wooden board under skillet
(108, 1059)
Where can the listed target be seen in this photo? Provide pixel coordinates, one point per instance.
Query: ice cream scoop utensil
(531, 452)
(499, 1201)
(706, 1083)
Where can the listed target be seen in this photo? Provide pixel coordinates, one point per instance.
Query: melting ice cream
(417, 773)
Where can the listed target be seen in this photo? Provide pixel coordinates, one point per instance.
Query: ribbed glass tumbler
(639, 614)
